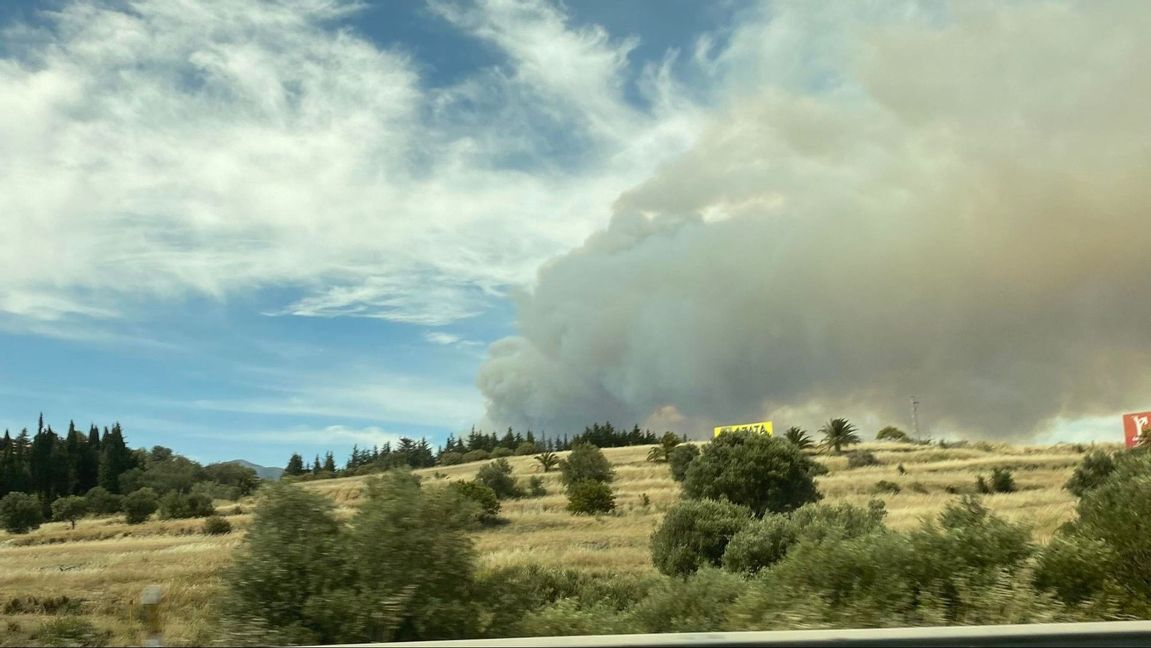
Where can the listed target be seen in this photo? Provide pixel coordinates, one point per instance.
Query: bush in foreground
(765, 542)
(694, 534)
(766, 474)
(401, 569)
(72, 631)
(680, 458)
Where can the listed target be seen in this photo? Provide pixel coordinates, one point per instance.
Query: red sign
(1133, 424)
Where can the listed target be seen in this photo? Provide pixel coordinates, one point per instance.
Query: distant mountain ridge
(264, 472)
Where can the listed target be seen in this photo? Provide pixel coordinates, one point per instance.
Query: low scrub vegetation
(400, 559)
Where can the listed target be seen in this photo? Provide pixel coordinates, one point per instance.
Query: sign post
(150, 611)
(1134, 425)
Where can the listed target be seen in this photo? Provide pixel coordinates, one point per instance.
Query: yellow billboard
(763, 427)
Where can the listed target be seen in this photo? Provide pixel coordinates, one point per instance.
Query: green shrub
(585, 463)
(140, 504)
(1117, 513)
(695, 533)
(820, 521)
(291, 565)
(590, 497)
(214, 491)
(1095, 467)
(861, 459)
(20, 512)
(526, 448)
(402, 569)
(884, 486)
(761, 472)
(176, 505)
(484, 497)
(413, 546)
(1075, 567)
(698, 603)
(509, 594)
(569, 618)
(760, 544)
(502, 452)
(765, 542)
(71, 631)
(892, 433)
(1001, 481)
(918, 487)
(536, 486)
(680, 458)
(69, 509)
(450, 459)
(476, 455)
(216, 525)
(497, 476)
(101, 502)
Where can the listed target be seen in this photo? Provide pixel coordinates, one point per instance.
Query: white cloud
(361, 395)
(215, 147)
(326, 436)
(441, 338)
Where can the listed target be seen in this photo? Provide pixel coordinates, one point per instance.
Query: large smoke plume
(958, 207)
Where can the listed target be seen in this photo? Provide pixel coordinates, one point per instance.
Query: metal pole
(915, 418)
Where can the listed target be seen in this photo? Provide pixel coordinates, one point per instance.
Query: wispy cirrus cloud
(170, 149)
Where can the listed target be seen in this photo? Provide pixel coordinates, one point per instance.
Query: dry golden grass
(102, 566)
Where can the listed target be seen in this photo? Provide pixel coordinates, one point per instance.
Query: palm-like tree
(798, 437)
(548, 460)
(661, 452)
(838, 433)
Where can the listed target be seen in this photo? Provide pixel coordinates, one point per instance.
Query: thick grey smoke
(960, 211)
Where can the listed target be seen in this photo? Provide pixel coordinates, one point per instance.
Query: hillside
(100, 568)
(263, 472)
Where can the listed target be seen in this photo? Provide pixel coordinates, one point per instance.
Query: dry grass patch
(100, 568)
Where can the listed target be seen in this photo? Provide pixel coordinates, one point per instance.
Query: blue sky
(249, 368)
(244, 229)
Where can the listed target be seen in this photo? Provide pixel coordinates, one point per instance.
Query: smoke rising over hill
(950, 206)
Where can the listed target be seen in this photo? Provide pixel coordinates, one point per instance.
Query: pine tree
(295, 465)
(316, 467)
(329, 462)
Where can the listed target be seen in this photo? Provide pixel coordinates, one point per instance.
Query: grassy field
(99, 569)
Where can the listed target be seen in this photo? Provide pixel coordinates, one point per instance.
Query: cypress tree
(295, 465)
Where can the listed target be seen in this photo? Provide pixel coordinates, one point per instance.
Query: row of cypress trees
(51, 465)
